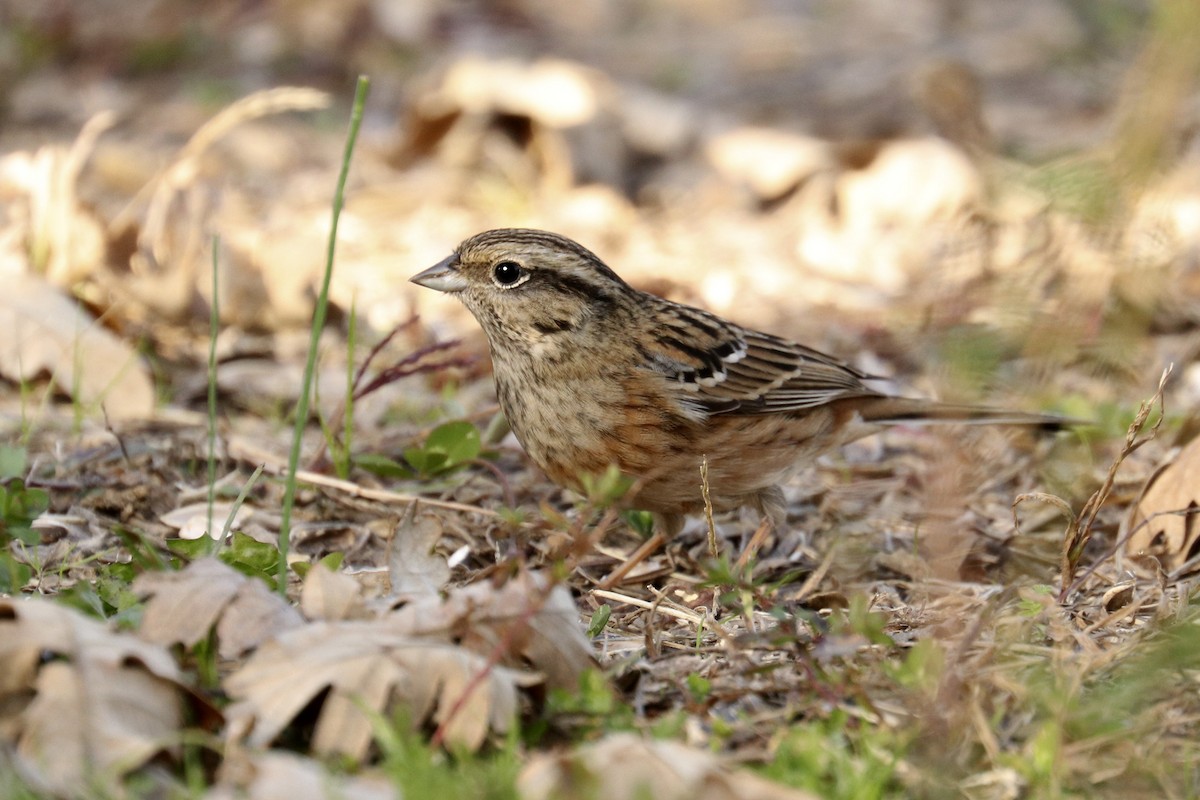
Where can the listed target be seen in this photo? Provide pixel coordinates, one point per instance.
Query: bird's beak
(443, 276)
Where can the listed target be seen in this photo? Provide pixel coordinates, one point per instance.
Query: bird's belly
(573, 428)
(745, 455)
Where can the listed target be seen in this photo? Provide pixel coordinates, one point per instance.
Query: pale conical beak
(443, 276)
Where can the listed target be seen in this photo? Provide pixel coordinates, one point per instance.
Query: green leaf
(19, 506)
(640, 521)
(189, 548)
(423, 461)
(332, 561)
(251, 557)
(459, 441)
(13, 574)
(448, 446)
(13, 461)
(383, 466)
(599, 620)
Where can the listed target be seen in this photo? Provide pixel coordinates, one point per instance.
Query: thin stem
(318, 325)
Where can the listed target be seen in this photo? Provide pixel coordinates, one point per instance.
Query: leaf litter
(840, 628)
(82, 704)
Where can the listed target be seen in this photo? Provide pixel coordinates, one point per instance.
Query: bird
(592, 373)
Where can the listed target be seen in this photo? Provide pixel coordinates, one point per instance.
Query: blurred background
(969, 190)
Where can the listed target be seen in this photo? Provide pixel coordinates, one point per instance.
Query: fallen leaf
(184, 606)
(192, 520)
(550, 637)
(769, 161)
(1163, 522)
(82, 704)
(414, 568)
(46, 332)
(624, 766)
(66, 240)
(277, 775)
(369, 667)
(329, 595)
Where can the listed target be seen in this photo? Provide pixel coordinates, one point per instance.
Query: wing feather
(721, 368)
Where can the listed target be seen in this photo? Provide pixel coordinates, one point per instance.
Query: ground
(986, 206)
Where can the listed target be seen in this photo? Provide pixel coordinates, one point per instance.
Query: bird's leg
(771, 505)
(669, 525)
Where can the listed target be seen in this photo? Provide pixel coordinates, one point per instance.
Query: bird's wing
(721, 368)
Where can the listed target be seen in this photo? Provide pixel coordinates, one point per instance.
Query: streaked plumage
(592, 372)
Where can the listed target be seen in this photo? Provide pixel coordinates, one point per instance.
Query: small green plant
(699, 687)
(422, 770)
(318, 325)
(740, 591)
(20, 505)
(447, 448)
(640, 521)
(603, 489)
(593, 706)
(244, 553)
(859, 619)
(599, 620)
(839, 757)
(108, 596)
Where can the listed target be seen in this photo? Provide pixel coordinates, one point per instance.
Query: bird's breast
(581, 417)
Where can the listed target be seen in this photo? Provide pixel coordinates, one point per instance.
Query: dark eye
(507, 273)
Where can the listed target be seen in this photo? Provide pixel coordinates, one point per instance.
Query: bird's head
(528, 288)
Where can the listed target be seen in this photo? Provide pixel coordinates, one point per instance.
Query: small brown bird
(592, 372)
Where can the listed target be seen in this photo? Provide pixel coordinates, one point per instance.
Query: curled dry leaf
(540, 627)
(369, 667)
(45, 332)
(1163, 523)
(64, 240)
(191, 520)
(183, 607)
(81, 703)
(276, 775)
(624, 766)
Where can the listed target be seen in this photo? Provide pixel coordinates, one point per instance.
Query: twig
(692, 617)
(647, 547)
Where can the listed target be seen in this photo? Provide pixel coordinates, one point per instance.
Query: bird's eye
(507, 273)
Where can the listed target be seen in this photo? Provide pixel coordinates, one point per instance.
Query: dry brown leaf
(414, 568)
(64, 240)
(557, 93)
(329, 595)
(369, 667)
(183, 607)
(1163, 523)
(276, 775)
(624, 766)
(769, 161)
(45, 332)
(480, 616)
(81, 703)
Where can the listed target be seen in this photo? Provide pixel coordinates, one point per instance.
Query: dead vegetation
(947, 613)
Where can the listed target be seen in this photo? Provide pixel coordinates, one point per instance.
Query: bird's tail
(899, 410)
